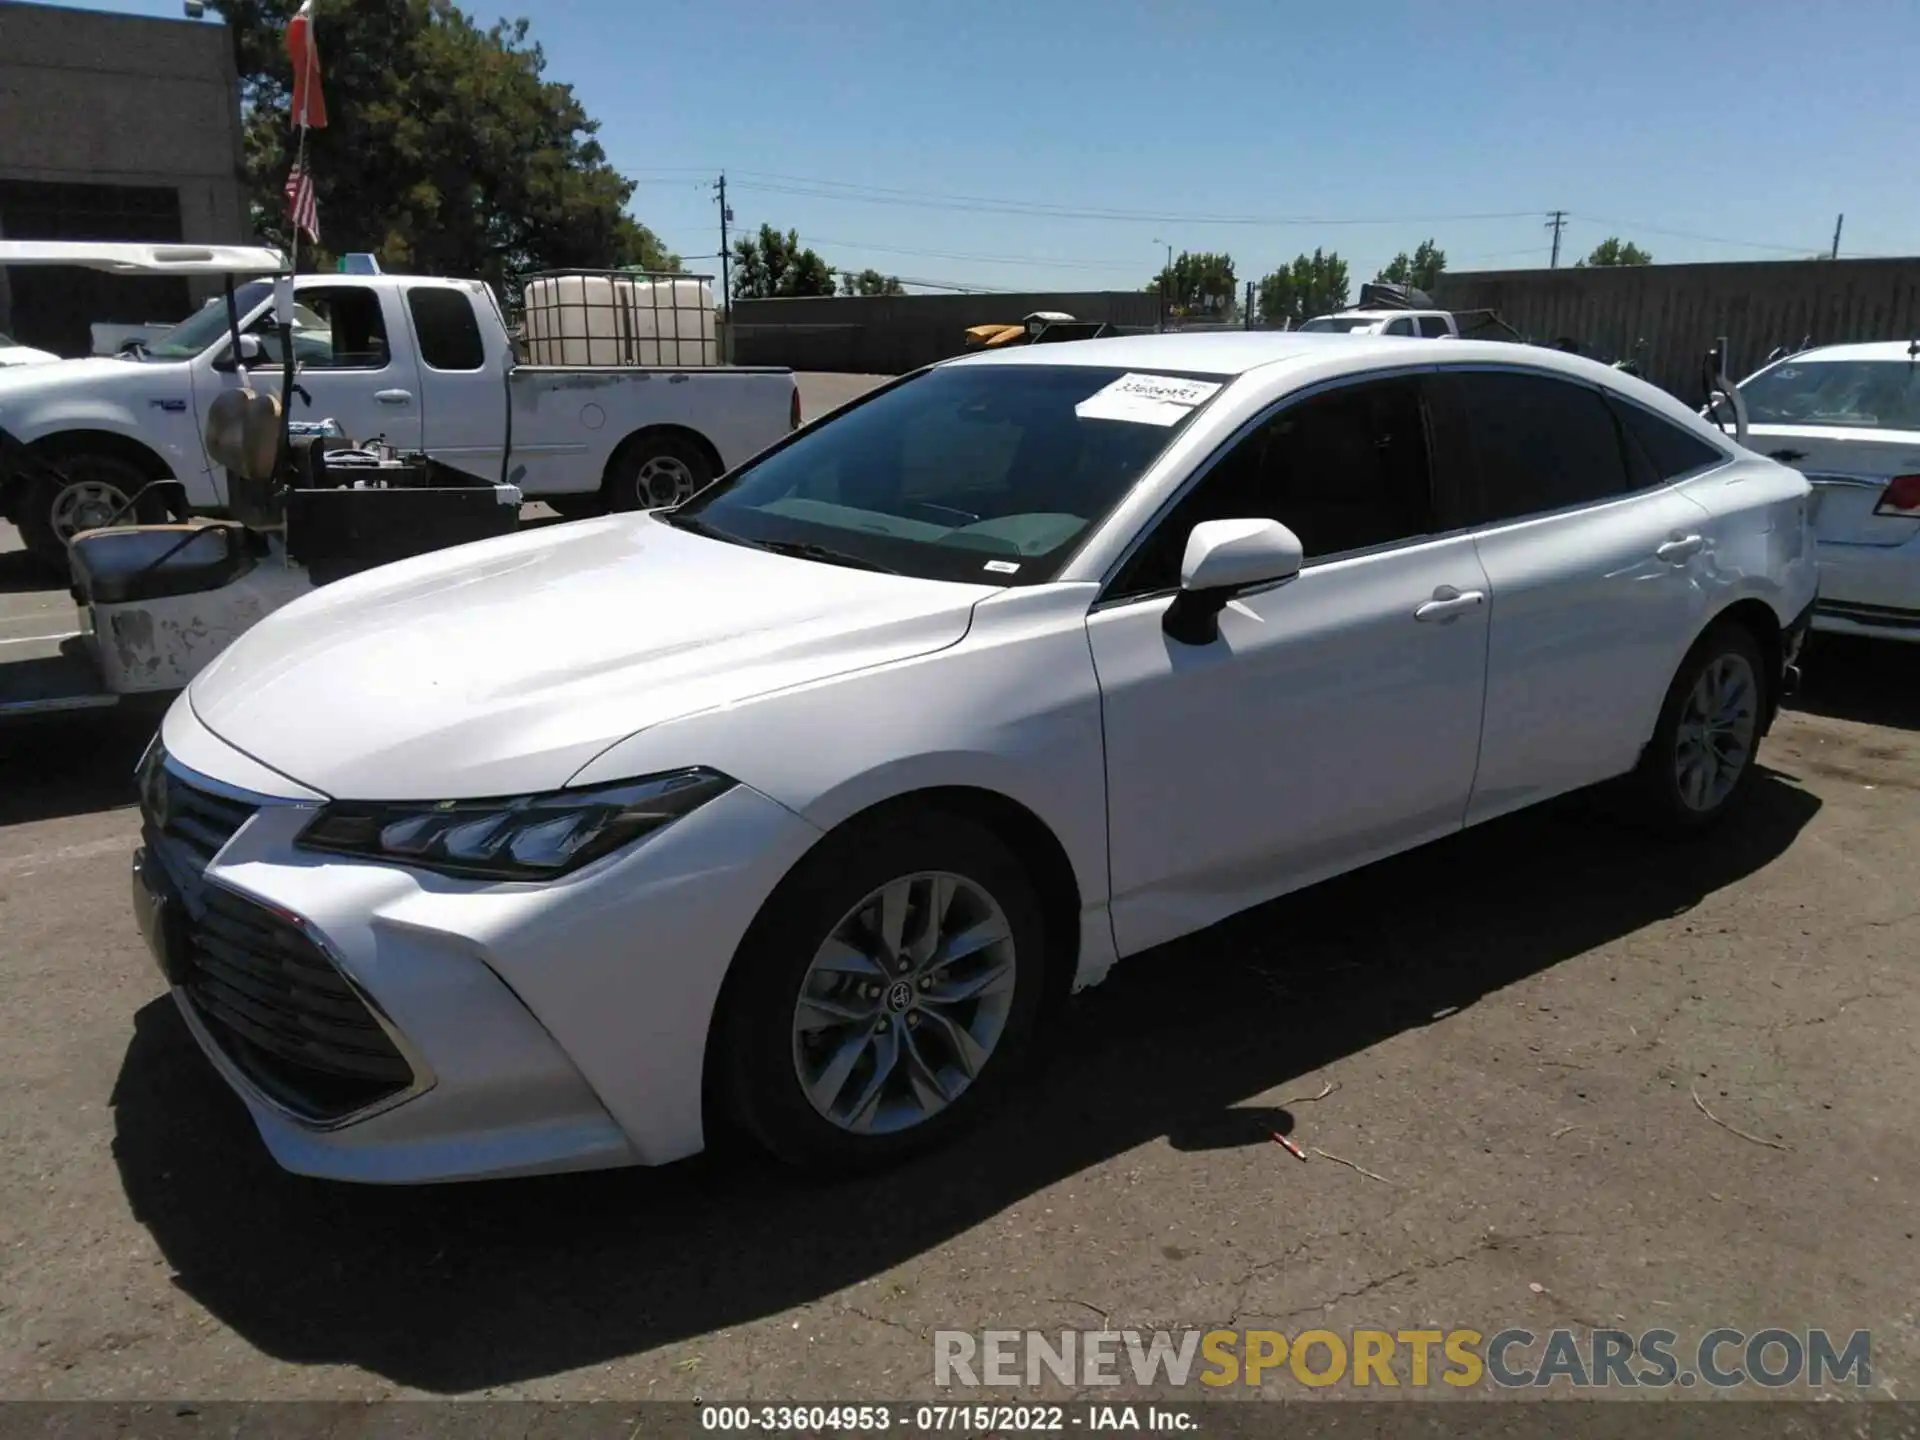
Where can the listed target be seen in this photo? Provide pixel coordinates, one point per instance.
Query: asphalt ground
(1577, 1078)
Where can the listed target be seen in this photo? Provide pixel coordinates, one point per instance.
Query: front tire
(651, 471)
(75, 493)
(887, 995)
(1700, 762)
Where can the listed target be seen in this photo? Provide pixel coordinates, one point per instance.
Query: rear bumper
(1881, 622)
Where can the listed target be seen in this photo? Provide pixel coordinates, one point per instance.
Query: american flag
(302, 208)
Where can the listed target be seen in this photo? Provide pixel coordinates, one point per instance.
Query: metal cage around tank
(617, 317)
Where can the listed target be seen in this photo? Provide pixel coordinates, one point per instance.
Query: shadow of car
(457, 1288)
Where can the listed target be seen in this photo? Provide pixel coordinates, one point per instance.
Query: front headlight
(531, 837)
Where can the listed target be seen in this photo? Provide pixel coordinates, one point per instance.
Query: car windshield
(1341, 323)
(984, 473)
(198, 331)
(1868, 394)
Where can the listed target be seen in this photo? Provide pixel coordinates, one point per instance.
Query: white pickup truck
(1433, 324)
(425, 364)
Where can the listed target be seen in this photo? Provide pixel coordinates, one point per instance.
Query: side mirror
(253, 351)
(1224, 558)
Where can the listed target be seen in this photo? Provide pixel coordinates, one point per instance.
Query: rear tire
(852, 1031)
(650, 471)
(1699, 764)
(84, 495)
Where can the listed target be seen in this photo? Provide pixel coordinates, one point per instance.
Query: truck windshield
(1869, 394)
(984, 473)
(198, 331)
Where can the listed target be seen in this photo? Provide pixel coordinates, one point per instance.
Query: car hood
(503, 667)
(46, 376)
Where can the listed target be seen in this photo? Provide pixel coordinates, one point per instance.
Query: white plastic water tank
(619, 320)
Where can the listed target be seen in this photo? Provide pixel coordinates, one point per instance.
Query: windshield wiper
(806, 550)
(694, 525)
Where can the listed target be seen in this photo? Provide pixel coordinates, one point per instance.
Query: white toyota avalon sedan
(799, 808)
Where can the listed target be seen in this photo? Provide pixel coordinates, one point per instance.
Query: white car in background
(800, 806)
(1849, 417)
(12, 352)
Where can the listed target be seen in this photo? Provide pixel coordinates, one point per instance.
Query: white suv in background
(798, 806)
(1849, 417)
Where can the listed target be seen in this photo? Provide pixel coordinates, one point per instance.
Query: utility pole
(726, 267)
(1556, 222)
(1166, 281)
(1838, 222)
(1247, 314)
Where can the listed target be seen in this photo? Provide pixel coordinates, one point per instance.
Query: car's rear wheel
(1701, 759)
(886, 997)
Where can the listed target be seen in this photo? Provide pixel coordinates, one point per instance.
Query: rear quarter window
(449, 334)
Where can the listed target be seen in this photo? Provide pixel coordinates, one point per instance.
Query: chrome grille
(268, 995)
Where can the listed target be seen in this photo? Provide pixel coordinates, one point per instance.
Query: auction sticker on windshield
(1147, 399)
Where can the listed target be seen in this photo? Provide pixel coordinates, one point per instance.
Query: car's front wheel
(886, 996)
(1702, 755)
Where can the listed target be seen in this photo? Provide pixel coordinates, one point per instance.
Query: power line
(978, 259)
(984, 205)
(1801, 250)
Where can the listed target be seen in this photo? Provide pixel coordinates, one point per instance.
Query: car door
(1336, 716)
(356, 362)
(1596, 573)
(461, 401)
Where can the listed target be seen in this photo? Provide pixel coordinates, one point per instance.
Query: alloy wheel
(1714, 742)
(903, 1003)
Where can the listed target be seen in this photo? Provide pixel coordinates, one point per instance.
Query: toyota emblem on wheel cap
(899, 996)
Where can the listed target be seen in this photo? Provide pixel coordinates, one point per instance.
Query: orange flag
(309, 106)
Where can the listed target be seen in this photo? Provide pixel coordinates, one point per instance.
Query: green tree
(870, 282)
(448, 151)
(1419, 270)
(1612, 251)
(771, 264)
(1198, 283)
(1312, 285)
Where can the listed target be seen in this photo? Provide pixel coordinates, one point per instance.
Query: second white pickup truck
(425, 364)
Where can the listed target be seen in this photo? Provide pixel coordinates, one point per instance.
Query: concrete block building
(112, 127)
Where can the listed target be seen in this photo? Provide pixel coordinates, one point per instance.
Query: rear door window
(449, 334)
(1531, 444)
(1434, 326)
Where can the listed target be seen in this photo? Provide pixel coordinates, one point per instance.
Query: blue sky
(926, 137)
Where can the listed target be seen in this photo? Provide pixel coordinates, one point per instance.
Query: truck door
(463, 398)
(356, 361)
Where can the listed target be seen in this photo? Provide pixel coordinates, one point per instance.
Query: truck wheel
(85, 492)
(649, 471)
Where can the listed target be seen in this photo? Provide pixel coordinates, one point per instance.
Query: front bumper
(543, 1027)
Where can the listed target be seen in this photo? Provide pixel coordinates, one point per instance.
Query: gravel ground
(1515, 1024)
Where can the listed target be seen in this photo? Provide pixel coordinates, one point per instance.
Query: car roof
(1236, 352)
(1870, 350)
(1231, 354)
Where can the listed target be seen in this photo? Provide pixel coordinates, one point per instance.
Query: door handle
(1675, 552)
(394, 397)
(1449, 604)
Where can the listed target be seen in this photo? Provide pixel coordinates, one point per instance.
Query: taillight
(1901, 497)
(793, 410)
